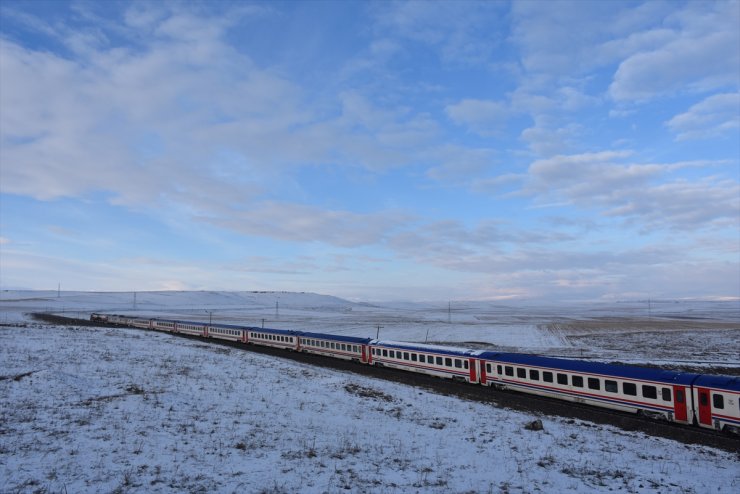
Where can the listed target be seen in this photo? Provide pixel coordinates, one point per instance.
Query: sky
(512, 151)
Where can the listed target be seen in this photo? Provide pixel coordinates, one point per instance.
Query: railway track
(534, 404)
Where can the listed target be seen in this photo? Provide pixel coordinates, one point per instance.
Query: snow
(123, 410)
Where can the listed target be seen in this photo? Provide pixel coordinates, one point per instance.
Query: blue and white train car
(654, 392)
(344, 347)
(718, 402)
(454, 363)
(227, 332)
(278, 338)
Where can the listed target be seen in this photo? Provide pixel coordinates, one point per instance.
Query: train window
(629, 389)
(488, 368)
(465, 364)
(422, 358)
(679, 396)
(509, 370)
(611, 386)
(439, 360)
(522, 373)
(666, 394)
(562, 378)
(406, 356)
(413, 357)
(385, 352)
(392, 353)
(594, 383)
(448, 362)
(649, 391)
(577, 381)
(718, 401)
(534, 375)
(499, 370)
(547, 376)
(458, 363)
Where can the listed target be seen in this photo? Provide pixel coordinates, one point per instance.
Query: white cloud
(300, 223)
(646, 194)
(545, 140)
(481, 116)
(702, 56)
(716, 115)
(462, 32)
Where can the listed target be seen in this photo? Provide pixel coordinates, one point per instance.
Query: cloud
(181, 124)
(702, 56)
(545, 140)
(646, 194)
(481, 116)
(715, 116)
(462, 32)
(300, 223)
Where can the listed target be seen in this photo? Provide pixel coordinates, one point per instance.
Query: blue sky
(373, 150)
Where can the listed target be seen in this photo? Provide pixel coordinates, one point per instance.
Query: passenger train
(708, 401)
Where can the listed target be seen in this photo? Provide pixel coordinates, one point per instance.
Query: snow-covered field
(697, 332)
(119, 410)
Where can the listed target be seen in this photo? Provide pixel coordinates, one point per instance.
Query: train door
(483, 376)
(705, 407)
(679, 404)
(364, 354)
(473, 373)
(369, 354)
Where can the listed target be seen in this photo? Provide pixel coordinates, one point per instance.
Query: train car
(167, 325)
(653, 392)
(278, 338)
(191, 327)
(717, 401)
(454, 363)
(344, 347)
(227, 332)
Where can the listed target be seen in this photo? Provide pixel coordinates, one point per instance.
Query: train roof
(730, 383)
(336, 337)
(421, 347)
(586, 367)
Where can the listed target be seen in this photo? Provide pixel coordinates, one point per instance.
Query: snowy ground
(116, 410)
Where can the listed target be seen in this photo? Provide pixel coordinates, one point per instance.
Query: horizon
(503, 302)
(499, 151)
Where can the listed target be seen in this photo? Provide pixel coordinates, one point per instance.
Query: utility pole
(134, 300)
(377, 335)
(449, 312)
(277, 305)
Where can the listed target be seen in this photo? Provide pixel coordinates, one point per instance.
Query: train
(707, 401)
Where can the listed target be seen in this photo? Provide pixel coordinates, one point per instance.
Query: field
(119, 410)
